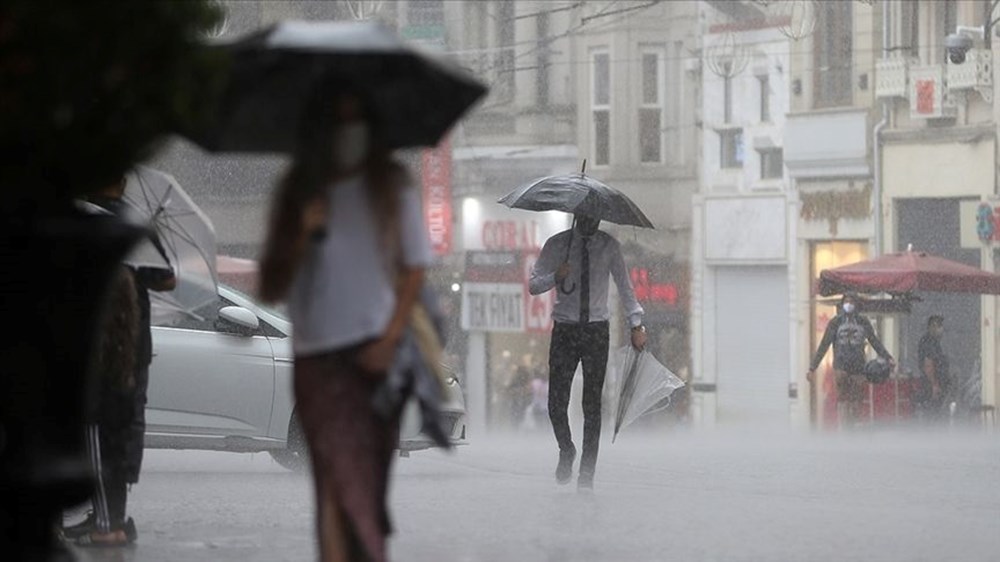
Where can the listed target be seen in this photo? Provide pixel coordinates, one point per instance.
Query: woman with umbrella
(348, 247)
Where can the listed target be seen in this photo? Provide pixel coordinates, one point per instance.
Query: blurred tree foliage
(87, 88)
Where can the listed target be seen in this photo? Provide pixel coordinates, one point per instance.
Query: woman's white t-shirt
(342, 294)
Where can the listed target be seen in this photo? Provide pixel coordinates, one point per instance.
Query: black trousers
(105, 445)
(572, 344)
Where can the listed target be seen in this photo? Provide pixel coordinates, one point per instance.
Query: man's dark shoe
(130, 531)
(564, 470)
(84, 527)
(585, 482)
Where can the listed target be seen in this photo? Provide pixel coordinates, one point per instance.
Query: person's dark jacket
(114, 360)
(848, 334)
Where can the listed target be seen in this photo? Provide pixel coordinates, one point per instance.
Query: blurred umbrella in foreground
(186, 242)
(644, 386)
(415, 97)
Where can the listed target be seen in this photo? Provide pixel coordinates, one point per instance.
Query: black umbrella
(415, 97)
(577, 194)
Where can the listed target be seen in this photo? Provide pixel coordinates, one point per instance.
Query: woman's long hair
(308, 178)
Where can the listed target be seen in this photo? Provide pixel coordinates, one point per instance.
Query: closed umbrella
(644, 386)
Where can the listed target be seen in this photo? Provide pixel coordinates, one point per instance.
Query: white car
(224, 382)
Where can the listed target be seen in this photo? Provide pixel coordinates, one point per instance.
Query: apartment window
(600, 102)
(504, 85)
(651, 107)
(765, 98)
(834, 54)
(727, 96)
(772, 164)
(731, 148)
(909, 28)
(945, 13)
(541, 43)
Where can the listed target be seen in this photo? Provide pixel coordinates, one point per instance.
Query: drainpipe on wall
(877, 140)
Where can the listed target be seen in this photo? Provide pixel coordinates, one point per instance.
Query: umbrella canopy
(187, 242)
(577, 194)
(908, 272)
(414, 97)
(644, 386)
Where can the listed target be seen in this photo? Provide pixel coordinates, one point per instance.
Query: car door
(206, 380)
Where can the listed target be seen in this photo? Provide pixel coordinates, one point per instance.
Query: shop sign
(489, 226)
(436, 176)
(988, 222)
(647, 290)
(493, 267)
(493, 307)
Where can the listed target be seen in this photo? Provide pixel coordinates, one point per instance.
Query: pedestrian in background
(848, 332)
(934, 386)
(348, 248)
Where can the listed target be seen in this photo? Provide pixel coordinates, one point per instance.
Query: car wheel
(295, 455)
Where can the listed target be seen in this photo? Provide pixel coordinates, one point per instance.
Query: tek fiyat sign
(493, 307)
(487, 225)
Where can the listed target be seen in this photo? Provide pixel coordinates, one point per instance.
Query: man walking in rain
(578, 264)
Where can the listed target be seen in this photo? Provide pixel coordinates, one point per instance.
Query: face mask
(350, 145)
(848, 307)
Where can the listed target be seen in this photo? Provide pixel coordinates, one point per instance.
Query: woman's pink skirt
(351, 446)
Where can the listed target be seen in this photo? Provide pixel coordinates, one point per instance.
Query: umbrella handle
(565, 291)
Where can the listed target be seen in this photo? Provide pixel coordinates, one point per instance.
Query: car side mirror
(243, 320)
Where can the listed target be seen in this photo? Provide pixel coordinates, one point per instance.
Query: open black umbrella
(415, 97)
(577, 194)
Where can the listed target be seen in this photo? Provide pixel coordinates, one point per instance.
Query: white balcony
(827, 144)
(891, 77)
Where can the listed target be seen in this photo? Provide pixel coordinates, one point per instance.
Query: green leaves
(88, 88)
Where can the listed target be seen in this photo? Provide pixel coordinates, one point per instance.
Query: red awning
(908, 272)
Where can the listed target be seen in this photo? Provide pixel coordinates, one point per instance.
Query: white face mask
(350, 145)
(848, 307)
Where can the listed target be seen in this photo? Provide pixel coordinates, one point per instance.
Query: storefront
(507, 329)
(741, 315)
(934, 189)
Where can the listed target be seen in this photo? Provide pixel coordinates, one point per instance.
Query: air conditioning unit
(928, 95)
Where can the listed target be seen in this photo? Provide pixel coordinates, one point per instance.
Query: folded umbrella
(644, 386)
(414, 97)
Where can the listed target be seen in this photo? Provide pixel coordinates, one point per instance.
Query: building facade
(743, 251)
(938, 166)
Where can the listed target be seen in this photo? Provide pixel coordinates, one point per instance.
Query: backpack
(849, 343)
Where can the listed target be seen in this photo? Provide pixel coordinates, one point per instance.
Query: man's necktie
(585, 282)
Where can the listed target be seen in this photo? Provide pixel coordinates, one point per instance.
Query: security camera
(957, 45)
